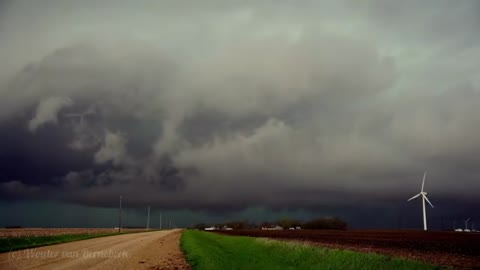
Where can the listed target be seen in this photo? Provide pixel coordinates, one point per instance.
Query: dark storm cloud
(223, 105)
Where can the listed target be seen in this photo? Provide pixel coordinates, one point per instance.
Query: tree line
(322, 223)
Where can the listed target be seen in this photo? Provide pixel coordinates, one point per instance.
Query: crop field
(205, 250)
(28, 232)
(15, 239)
(442, 248)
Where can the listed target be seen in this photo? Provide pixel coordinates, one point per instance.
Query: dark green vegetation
(322, 223)
(326, 223)
(23, 242)
(207, 251)
(16, 243)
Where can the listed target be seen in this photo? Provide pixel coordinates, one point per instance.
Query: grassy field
(206, 250)
(23, 242)
(16, 243)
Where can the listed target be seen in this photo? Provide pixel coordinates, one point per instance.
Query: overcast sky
(226, 106)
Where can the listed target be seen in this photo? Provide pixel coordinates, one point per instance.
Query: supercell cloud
(229, 105)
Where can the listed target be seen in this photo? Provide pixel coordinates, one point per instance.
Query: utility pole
(120, 215)
(148, 218)
(160, 220)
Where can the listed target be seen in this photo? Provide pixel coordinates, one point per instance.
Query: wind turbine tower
(466, 223)
(424, 198)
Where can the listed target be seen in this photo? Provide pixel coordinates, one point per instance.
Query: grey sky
(228, 105)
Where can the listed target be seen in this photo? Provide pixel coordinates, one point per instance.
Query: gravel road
(149, 250)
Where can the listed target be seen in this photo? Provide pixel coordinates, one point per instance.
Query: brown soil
(460, 250)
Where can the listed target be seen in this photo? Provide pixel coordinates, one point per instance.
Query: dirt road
(149, 250)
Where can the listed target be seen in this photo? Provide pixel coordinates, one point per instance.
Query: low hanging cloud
(47, 111)
(253, 105)
(113, 149)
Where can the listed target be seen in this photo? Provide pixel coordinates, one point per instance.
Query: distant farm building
(273, 228)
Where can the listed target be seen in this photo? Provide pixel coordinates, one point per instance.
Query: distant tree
(325, 223)
(13, 227)
(200, 226)
(237, 225)
(265, 224)
(287, 223)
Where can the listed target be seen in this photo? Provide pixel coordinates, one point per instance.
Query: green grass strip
(16, 243)
(207, 251)
(23, 242)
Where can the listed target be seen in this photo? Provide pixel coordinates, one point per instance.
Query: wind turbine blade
(423, 182)
(416, 196)
(428, 201)
(468, 219)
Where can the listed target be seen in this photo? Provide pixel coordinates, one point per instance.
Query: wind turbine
(466, 223)
(424, 198)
